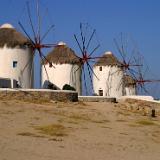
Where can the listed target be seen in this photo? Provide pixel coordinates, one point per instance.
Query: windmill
(108, 84)
(143, 79)
(87, 49)
(110, 75)
(37, 38)
(129, 85)
(130, 58)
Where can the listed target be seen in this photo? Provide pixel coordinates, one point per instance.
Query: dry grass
(78, 104)
(72, 121)
(7, 112)
(76, 118)
(36, 118)
(122, 133)
(101, 121)
(56, 139)
(81, 103)
(80, 117)
(106, 127)
(28, 134)
(121, 120)
(124, 113)
(38, 101)
(68, 120)
(133, 125)
(145, 122)
(53, 130)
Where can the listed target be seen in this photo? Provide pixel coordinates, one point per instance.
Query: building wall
(8, 56)
(62, 74)
(110, 80)
(131, 90)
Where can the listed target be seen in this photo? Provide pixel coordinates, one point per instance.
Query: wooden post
(153, 114)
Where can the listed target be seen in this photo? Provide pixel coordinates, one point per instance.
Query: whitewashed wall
(22, 56)
(63, 74)
(110, 80)
(130, 90)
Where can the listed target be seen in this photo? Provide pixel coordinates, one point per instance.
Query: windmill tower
(130, 85)
(66, 68)
(110, 76)
(14, 54)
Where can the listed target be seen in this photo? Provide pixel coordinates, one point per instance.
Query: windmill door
(101, 92)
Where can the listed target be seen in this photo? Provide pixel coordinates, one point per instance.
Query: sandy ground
(76, 131)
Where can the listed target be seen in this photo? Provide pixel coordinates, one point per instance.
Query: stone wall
(96, 99)
(38, 95)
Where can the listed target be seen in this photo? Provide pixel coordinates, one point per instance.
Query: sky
(138, 18)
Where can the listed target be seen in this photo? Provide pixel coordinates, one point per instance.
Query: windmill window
(100, 68)
(100, 92)
(15, 64)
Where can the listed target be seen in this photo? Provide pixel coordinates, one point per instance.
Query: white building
(110, 76)
(14, 56)
(66, 68)
(130, 85)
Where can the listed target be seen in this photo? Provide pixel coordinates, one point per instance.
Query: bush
(68, 87)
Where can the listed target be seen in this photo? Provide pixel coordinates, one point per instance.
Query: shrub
(68, 87)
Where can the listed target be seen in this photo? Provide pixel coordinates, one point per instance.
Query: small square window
(100, 68)
(15, 64)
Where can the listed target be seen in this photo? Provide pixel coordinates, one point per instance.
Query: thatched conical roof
(12, 38)
(129, 81)
(108, 59)
(62, 54)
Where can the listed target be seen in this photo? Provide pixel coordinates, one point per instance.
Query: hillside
(76, 131)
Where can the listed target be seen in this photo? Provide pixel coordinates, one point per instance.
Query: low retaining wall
(96, 99)
(38, 94)
(137, 97)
